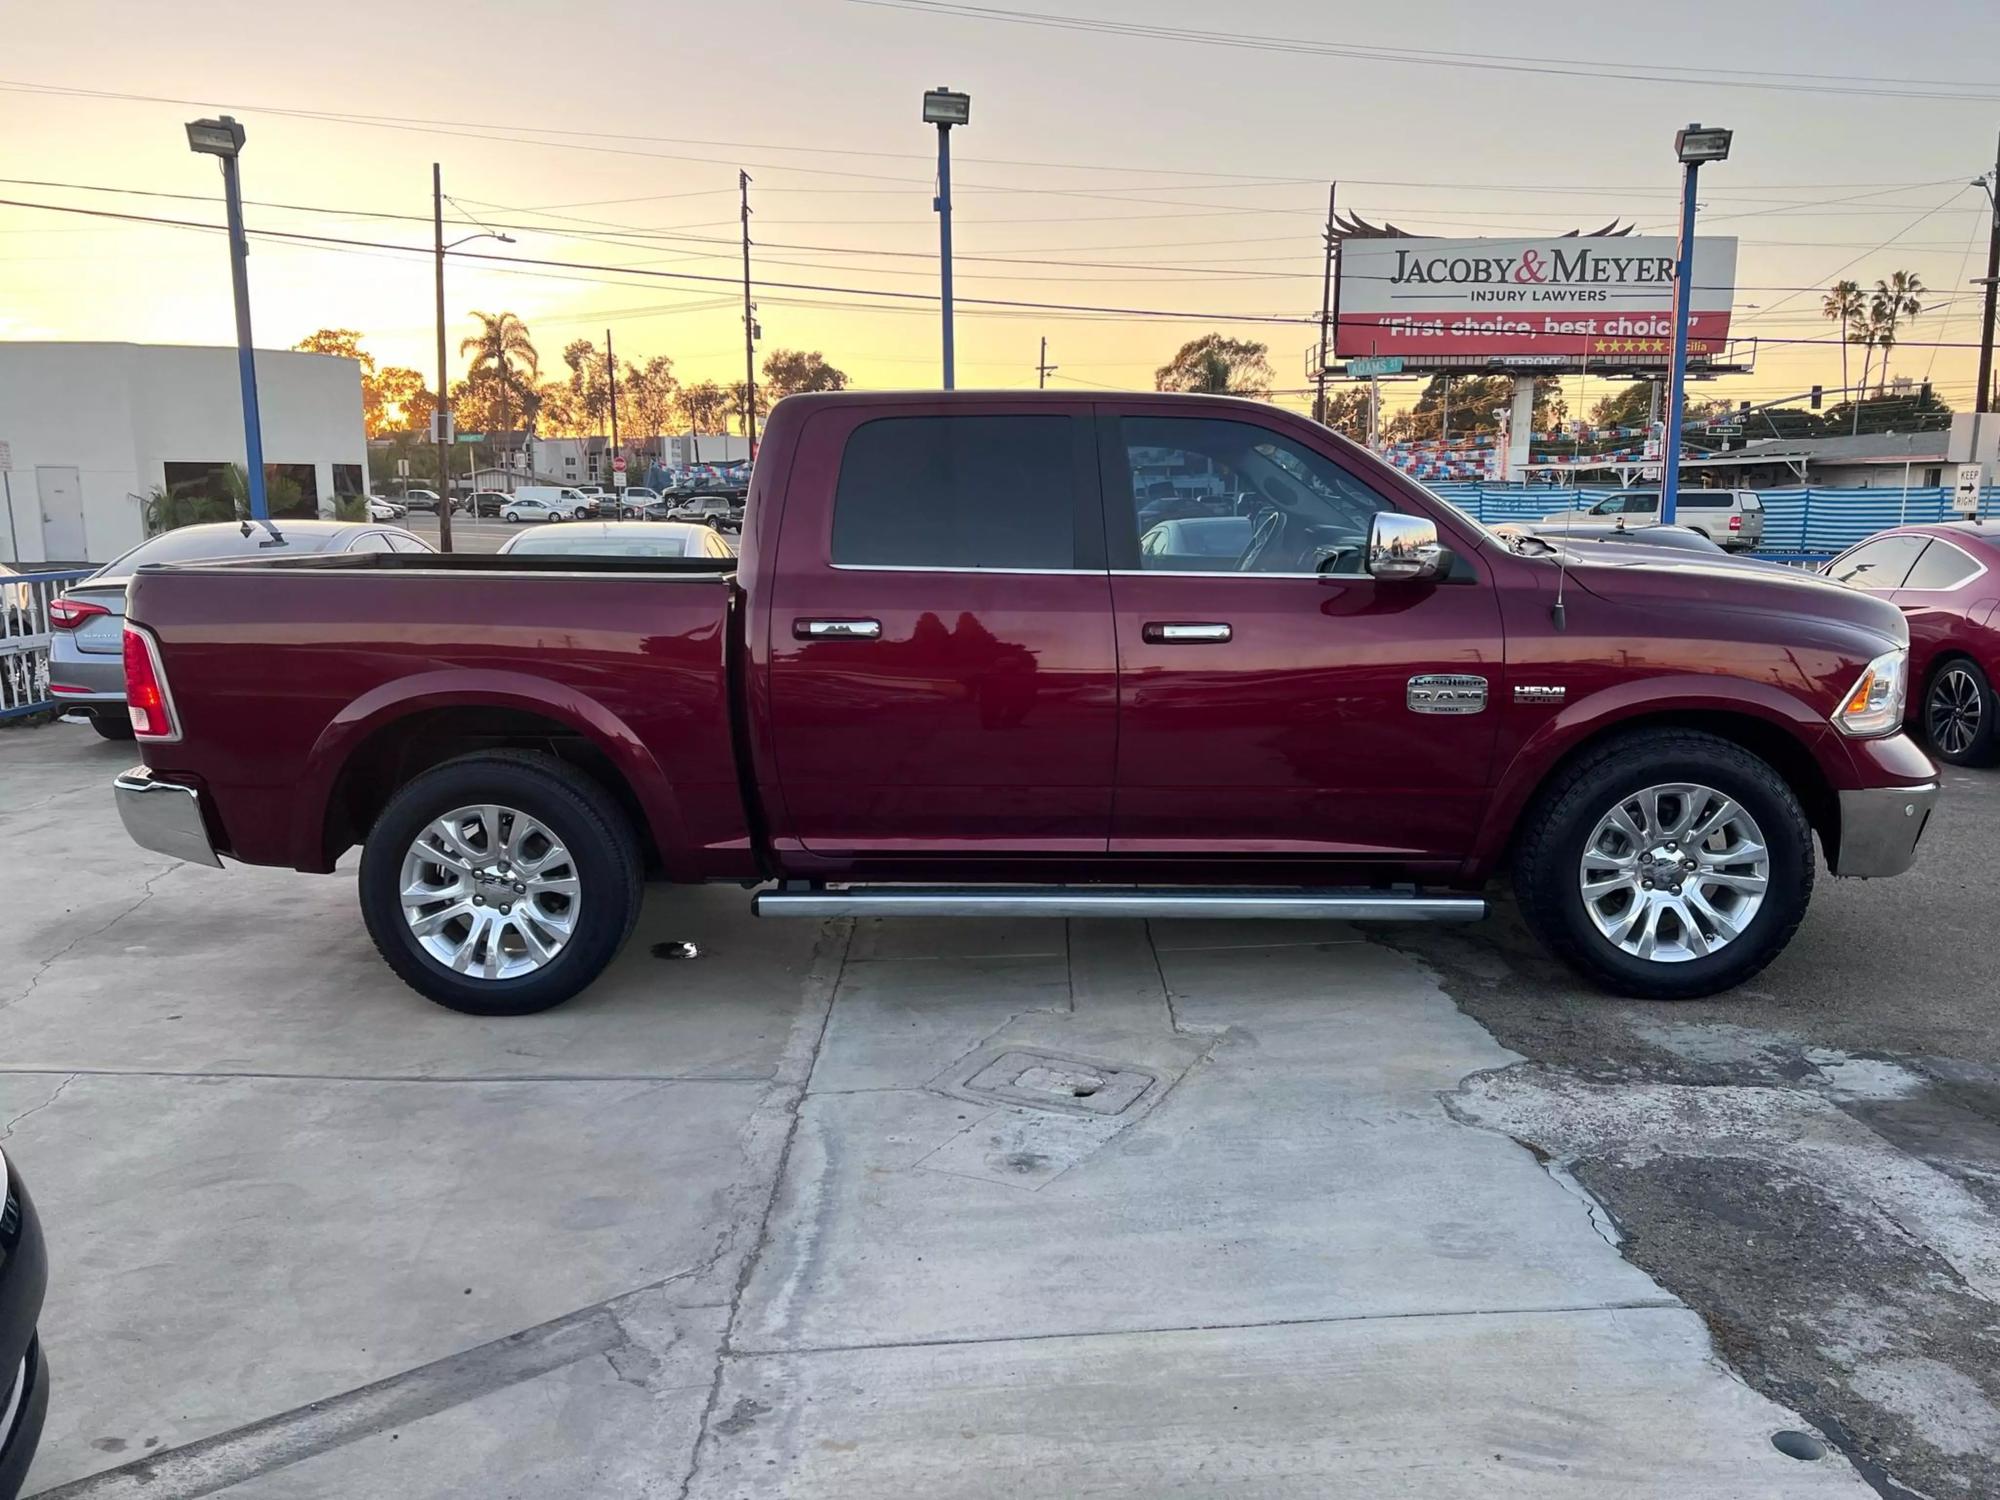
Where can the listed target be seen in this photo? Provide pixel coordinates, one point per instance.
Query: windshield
(193, 543)
(615, 544)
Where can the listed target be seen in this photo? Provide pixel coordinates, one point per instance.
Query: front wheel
(1666, 866)
(500, 884)
(1959, 715)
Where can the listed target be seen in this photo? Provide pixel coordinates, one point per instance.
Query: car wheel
(109, 728)
(1959, 718)
(500, 884)
(1666, 866)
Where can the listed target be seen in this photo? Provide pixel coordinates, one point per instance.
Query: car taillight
(69, 614)
(146, 697)
(1735, 523)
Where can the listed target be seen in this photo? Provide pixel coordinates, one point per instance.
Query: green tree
(792, 372)
(736, 401)
(1892, 301)
(1215, 365)
(589, 386)
(1843, 304)
(503, 368)
(1347, 413)
(647, 395)
(703, 407)
(388, 394)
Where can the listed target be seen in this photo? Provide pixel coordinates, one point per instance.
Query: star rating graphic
(1644, 346)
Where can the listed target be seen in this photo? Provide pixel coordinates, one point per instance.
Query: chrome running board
(1297, 903)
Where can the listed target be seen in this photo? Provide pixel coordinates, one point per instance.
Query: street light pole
(944, 109)
(223, 139)
(441, 409)
(1694, 146)
(749, 331)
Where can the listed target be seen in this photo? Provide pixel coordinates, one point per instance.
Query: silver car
(1732, 519)
(87, 623)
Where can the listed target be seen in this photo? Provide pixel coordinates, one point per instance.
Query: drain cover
(1044, 1080)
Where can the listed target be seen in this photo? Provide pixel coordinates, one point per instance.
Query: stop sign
(618, 464)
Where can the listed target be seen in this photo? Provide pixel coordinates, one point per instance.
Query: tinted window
(958, 492)
(1703, 500)
(1297, 511)
(1882, 564)
(1942, 566)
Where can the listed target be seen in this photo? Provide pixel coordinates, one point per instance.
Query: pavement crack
(42, 968)
(795, 1080)
(7, 1130)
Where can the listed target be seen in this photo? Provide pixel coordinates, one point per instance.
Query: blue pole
(944, 241)
(1670, 448)
(246, 359)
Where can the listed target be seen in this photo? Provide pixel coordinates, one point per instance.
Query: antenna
(1557, 615)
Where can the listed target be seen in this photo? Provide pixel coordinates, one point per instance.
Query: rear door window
(1942, 566)
(1881, 564)
(997, 492)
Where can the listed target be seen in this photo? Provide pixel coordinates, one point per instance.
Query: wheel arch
(404, 728)
(1774, 738)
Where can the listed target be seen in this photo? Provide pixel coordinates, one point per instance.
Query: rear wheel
(1666, 866)
(500, 884)
(1959, 717)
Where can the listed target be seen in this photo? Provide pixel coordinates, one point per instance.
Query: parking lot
(1387, 1212)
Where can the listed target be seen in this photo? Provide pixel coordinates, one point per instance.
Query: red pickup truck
(1016, 653)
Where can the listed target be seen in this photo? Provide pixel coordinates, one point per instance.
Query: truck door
(1274, 698)
(942, 670)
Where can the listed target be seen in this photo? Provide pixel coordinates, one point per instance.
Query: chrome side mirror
(1404, 548)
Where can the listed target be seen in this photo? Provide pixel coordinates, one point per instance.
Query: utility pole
(1325, 310)
(1983, 401)
(1044, 369)
(749, 329)
(611, 370)
(441, 411)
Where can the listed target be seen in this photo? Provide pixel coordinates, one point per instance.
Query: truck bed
(298, 679)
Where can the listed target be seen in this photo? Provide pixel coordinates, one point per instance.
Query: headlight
(1875, 704)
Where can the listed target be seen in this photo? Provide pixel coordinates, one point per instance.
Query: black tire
(119, 728)
(1560, 821)
(1956, 678)
(581, 813)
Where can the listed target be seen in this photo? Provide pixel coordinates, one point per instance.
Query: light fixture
(943, 107)
(223, 137)
(1695, 145)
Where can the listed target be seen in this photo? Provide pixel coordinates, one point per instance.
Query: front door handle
(1185, 632)
(836, 630)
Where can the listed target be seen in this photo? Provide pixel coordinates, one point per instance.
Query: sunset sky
(1107, 171)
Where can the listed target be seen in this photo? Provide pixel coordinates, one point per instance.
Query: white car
(385, 510)
(529, 508)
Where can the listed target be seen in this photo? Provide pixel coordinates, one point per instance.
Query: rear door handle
(836, 630)
(1185, 632)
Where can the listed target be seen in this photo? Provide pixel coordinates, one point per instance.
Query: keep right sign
(1965, 493)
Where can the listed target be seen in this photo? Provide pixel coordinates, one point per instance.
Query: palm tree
(1844, 305)
(502, 337)
(1893, 300)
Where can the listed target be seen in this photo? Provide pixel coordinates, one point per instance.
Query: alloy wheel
(490, 892)
(1675, 872)
(1954, 712)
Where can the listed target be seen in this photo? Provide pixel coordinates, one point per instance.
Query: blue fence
(1796, 520)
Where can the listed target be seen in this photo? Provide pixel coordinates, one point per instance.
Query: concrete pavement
(922, 1207)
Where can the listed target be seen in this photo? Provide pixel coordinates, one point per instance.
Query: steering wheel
(1265, 541)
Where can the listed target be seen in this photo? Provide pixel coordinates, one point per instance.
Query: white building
(86, 430)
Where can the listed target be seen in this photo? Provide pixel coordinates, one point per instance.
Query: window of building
(347, 481)
(960, 492)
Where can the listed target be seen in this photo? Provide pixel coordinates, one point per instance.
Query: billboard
(1560, 303)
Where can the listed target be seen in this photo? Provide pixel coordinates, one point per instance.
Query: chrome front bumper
(1879, 829)
(164, 817)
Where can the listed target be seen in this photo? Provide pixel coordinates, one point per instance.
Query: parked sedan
(624, 539)
(385, 510)
(87, 623)
(1946, 581)
(24, 1370)
(532, 508)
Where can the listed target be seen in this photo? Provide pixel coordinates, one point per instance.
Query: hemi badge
(1445, 694)
(1538, 693)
